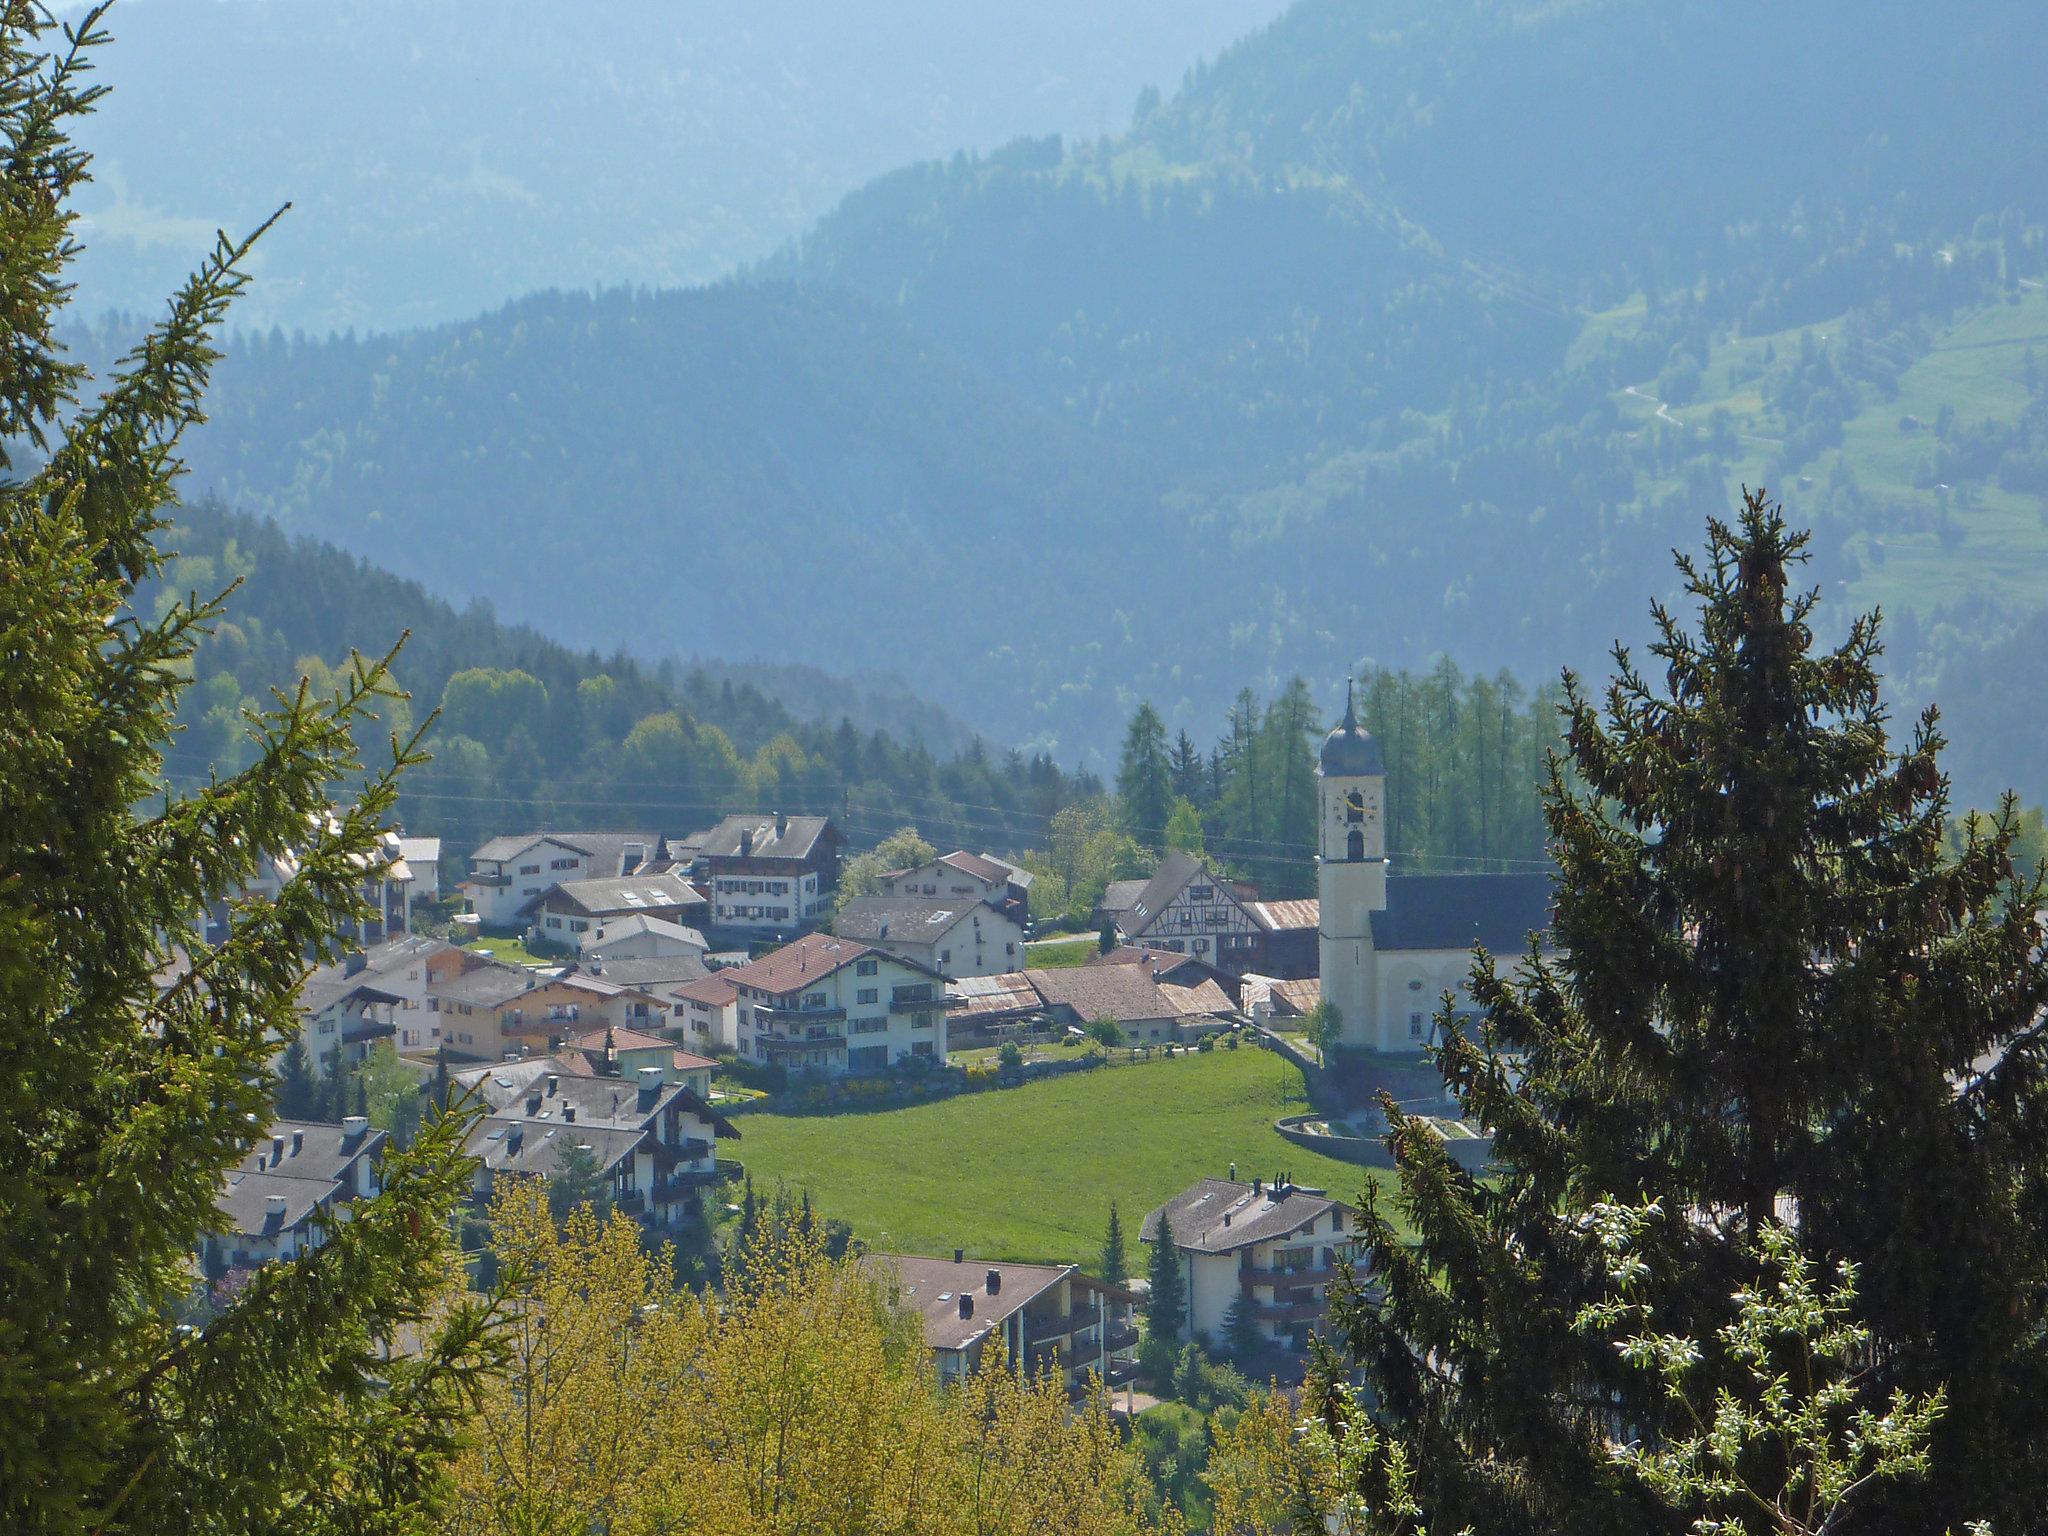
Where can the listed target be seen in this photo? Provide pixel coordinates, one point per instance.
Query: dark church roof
(1349, 752)
(1455, 911)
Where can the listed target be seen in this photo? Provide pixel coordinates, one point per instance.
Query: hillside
(533, 732)
(446, 157)
(1346, 351)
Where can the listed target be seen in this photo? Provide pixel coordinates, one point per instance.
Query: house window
(1009, 949)
(945, 957)
(921, 1047)
(921, 1021)
(1336, 1221)
(868, 995)
(529, 869)
(1201, 893)
(1201, 946)
(814, 999)
(864, 967)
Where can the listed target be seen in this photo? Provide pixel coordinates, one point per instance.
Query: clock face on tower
(1358, 810)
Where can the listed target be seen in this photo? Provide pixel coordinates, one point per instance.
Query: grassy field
(1029, 1173)
(1052, 954)
(513, 952)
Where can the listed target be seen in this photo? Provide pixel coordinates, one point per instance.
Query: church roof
(1457, 911)
(1349, 752)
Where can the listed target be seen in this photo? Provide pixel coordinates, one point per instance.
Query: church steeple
(1350, 708)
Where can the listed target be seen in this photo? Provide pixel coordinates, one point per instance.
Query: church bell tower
(1351, 872)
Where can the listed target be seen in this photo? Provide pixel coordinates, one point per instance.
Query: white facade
(643, 939)
(1351, 881)
(498, 888)
(767, 903)
(817, 1012)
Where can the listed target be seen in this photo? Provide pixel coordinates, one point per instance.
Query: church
(1390, 945)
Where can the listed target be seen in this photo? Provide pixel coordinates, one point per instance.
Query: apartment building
(828, 1005)
(1045, 1316)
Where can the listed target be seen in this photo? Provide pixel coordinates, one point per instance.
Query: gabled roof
(244, 1204)
(420, 850)
(622, 896)
(907, 919)
(487, 985)
(1456, 911)
(972, 997)
(634, 924)
(522, 1146)
(932, 1289)
(810, 960)
(662, 974)
(1255, 1214)
(324, 1151)
(982, 867)
(716, 989)
(639, 1040)
(1121, 992)
(797, 840)
(1135, 905)
(1285, 916)
(605, 850)
(540, 1088)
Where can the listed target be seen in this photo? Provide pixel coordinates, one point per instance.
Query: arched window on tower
(1354, 807)
(1356, 845)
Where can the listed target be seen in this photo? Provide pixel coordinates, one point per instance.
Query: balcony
(1121, 1336)
(797, 1018)
(631, 1201)
(1291, 1312)
(1320, 1274)
(1042, 1330)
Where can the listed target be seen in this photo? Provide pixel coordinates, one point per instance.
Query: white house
(769, 874)
(955, 936)
(297, 1171)
(1187, 908)
(653, 1135)
(708, 1012)
(508, 872)
(1275, 1245)
(423, 857)
(572, 911)
(639, 936)
(976, 876)
(829, 1005)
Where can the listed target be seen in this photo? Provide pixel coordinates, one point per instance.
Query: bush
(1011, 1057)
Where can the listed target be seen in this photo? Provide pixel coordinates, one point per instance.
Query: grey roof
(244, 1204)
(509, 1092)
(606, 850)
(1135, 904)
(797, 840)
(521, 1146)
(644, 974)
(1455, 911)
(1349, 752)
(420, 850)
(486, 985)
(624, 895)
(1121, 992)
(1198, 1215)
(331, 985)
(634, 924)
(932, 1289)
(327, 985)
(984, 867)
(906, 919)
(325, 1151)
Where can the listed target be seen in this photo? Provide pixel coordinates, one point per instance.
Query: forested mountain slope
(446, 157)
(536, 733)
(1403, 329)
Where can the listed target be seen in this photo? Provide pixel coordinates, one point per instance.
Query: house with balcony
(1276, 1244)
(955, 936)
(489, 1009)
(298, 1171)
(768, 874)
(653, 1134)
(575, 912)
(829, 1006)
(508, 872)
(961, 875)
(1046, 1317)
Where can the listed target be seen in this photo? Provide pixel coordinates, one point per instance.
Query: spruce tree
(1166, 1312)
(297, 1093)
(1144, 778)
(1241, 1338)
(1116, 1267)
(1773, 996)
(127, 1100)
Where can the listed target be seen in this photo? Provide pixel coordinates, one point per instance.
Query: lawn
(1053, 954)
(513, 952)
(1029, 1173)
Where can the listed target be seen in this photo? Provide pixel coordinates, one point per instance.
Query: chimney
(298, 1142)
(959, 1255)
(533, 1102)
(1226, 1218)
(781, 823)
(1233, 1173)
(569, 1114)
(554, 1084)
(352, 1129)
(650, 1086)
(273, 1207)
(966, 1301)
(276, 1150)
(1258, 1185)
(746, 842)
(262, 1162)
(995, 1282)
(515, 1139)
(353, 962)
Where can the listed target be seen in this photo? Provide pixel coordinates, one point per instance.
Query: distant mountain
(446, 157)
(1403, 328)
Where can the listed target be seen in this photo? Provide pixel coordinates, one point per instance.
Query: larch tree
(139, 1052)
(1776, 1000)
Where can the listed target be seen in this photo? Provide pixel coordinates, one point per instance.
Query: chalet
(769, 874)
(490, 1009)
(1187, 908)
(1276, 1245)
(639, 936)
(572, 911)
(976, 876)
(953, 935)
(270, 1205)
(1047, 1317)
(508, 872)
(653, 1135)
(829, 1005)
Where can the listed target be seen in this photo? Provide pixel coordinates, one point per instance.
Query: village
(610, 1006)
